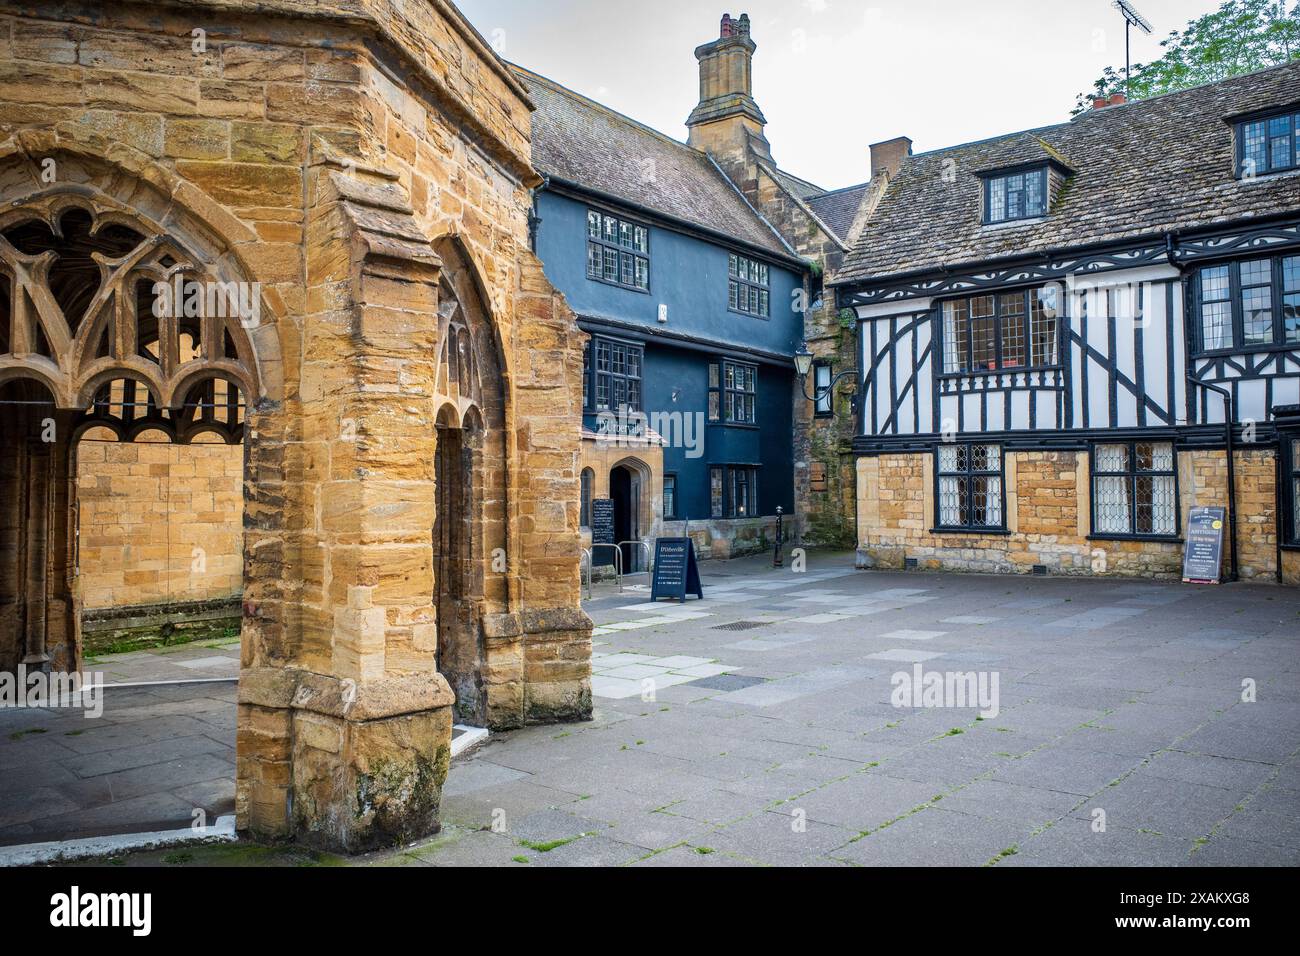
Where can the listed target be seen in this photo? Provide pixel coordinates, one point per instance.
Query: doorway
(625, 491)
(459, 597)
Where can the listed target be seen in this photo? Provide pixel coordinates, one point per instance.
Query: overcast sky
(833, 76)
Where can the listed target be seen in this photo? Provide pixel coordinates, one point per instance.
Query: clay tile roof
(578, 140)
(1161, 164)
(837, 209)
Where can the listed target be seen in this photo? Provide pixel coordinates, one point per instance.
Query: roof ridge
(842, 189)
(1200, 86)
(601, 107)
(800, 179)
(1036, 130)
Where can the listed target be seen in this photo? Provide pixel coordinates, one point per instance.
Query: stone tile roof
(796, 186)
(837, 209)
(1166, 163)
(578, 140)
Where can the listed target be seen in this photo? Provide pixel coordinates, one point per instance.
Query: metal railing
(588, 553)
(649, 561)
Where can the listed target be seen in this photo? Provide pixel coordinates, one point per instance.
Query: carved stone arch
(80, 260)
(135, 228)
(470, 392)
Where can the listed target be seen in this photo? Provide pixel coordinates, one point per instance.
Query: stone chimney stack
(727, 120)
(887, 157)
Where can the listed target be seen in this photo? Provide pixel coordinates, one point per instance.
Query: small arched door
(625, 491)
(471, 575)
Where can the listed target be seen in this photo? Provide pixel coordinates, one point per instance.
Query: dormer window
(1267, 145)
(1018, 195)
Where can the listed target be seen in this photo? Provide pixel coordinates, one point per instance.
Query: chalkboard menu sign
(676, 573)
(1203, 559)
(602, 521)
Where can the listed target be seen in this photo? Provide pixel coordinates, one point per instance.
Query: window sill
(1010, 370)
(743, 426)
(1270, 176)
(618, 285)
(1018, 221)
(1246, 350)
(748, 315)
(1001, 532)
(1152, 538)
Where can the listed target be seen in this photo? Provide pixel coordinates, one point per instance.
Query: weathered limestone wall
(357, 158)
(160, 523)
(1049, 517)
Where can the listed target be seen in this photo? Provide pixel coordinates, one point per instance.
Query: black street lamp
(803, 360)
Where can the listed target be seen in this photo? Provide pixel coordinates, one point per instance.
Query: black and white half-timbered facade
(1057, 328)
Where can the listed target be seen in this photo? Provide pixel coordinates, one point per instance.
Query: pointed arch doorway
(469, 535)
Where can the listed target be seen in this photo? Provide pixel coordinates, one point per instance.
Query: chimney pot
(727, 28)
(1100, 102)
(1118, 99)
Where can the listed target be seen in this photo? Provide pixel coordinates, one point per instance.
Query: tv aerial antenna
(1131, 19)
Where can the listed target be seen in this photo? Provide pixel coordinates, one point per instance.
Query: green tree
(1241, 36)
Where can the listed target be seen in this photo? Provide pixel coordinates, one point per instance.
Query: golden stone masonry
(405, 389)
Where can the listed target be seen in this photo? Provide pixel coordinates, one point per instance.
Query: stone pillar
(346, 736)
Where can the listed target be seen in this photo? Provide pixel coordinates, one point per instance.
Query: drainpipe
(1279, 484)
(1232, 467)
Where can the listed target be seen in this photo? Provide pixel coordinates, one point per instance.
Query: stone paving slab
(1123, 697)
(153, 758)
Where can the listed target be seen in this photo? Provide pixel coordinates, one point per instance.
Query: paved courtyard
(155, 755)
(757, 727)
(771, 738)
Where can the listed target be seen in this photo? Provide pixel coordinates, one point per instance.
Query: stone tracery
(87, 309)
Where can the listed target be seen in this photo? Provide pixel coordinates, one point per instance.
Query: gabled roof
(838, 208)
(1147, 167)
(796, 186)
(593, 147)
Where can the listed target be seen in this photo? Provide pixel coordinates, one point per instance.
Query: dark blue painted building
(691, 299)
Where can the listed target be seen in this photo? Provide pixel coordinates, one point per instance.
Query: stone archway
(326, 184)
(470, 539)
(630, 488)
(107, 320)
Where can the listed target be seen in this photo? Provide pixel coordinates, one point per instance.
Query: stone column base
(538, 668)
(343, 766)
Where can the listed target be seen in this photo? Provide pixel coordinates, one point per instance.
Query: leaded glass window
(618, 251)
(1134, 490)
(615, 375)
(748, 288)
(1249, 305)
(1267, 145)
(969, 487)
(990, 333)
(1017, 196)
(733, 390)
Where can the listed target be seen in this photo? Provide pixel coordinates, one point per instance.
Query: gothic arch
(81, 263)
(84, 257)
(471, 487)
